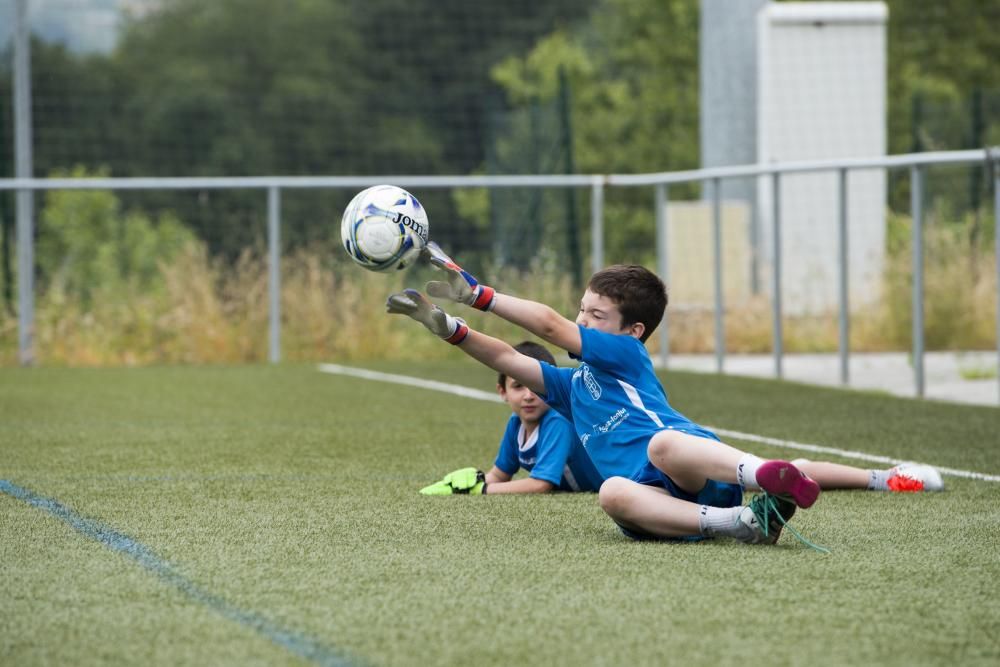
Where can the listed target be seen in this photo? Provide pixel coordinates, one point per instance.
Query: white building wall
(822, 94)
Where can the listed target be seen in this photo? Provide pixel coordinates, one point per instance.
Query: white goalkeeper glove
(462, 286)
(412, 303)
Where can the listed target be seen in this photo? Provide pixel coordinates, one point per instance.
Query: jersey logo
(593, 386)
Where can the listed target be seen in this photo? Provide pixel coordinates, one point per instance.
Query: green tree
(252, 87)
(633, 71)
(87, 245)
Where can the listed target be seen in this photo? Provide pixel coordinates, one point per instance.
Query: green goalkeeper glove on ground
(465, 481)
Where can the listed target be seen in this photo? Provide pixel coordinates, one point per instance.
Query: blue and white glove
(462, 286)
(412, 303)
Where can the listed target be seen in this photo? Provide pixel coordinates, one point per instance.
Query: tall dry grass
(206, 311)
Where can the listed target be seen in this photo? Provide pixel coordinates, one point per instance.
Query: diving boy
(666, 477)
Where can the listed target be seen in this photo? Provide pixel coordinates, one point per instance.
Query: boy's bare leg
(651, 511)
(691, 460)
(834, 475)
(648, 509)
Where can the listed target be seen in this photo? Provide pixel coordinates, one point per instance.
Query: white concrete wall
(822, 94)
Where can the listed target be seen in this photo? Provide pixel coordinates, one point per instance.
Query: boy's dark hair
(530, 349)
(641, 296)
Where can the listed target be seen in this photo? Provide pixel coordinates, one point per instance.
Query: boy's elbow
(543, 486)
(552, 325)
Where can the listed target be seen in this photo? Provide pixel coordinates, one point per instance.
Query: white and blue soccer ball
(384, 228)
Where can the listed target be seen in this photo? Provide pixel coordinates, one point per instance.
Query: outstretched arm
(535, 317)
(487, 350)
(541, 320)
(500, 482)
(503, 358)
(472, 482)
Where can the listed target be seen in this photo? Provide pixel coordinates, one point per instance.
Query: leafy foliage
(88, 246)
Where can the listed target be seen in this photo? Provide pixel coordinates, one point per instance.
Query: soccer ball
(384, 228)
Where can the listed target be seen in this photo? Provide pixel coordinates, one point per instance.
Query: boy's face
(522, 401)
(601, 313)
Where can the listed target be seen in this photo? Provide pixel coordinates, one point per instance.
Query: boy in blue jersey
(666, 477)
(536, 439)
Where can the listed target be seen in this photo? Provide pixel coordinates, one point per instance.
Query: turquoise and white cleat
(764, 518)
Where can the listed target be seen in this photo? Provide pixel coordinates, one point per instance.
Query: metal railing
(661, 182)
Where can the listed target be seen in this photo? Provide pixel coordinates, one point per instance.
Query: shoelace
(771, 506)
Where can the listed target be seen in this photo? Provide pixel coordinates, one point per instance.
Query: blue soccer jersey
(552, 453)
(616, 404)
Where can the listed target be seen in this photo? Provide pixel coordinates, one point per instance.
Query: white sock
(746, 472)
(878, 480)
(718, 521)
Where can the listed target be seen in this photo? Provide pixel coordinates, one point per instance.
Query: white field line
(467, 392)
(456, 389)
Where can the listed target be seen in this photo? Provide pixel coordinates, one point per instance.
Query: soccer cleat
(914, 477)
(781, 478)
(763, 519)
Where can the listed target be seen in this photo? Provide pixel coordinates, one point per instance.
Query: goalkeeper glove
(462, 286)
(464, 481)
(414, 304)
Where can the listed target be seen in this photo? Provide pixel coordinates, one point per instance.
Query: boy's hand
(462, 286)
(465, 481)
(414, 304)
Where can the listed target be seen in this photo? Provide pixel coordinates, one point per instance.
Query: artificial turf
(278, 512)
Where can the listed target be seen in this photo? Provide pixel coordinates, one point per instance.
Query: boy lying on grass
(536, 439)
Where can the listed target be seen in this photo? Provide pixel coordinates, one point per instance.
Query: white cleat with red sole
(914, 477)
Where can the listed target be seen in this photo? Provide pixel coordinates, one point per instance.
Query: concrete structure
(787, 82)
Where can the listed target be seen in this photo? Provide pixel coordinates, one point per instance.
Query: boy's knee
(660, 445)
(614, 495)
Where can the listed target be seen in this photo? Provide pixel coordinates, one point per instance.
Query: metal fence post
(274, 271)
(720, 324)
(776, 278)
(916, 210)
(842, 247)
(25, 198)
(663, 263)
(597, 224)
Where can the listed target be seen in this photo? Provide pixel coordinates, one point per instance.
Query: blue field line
(298, 644)
(196, 477)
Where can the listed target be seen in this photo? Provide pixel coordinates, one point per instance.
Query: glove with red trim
(412, 303)
(461, 286)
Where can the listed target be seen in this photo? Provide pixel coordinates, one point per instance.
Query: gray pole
(754, 247)
(845, 334)
(776, 287)
(274, 271)
(25, 198)
(916, 210)
(996, 234)
(720, 325)
(597, 224)
(663, 263)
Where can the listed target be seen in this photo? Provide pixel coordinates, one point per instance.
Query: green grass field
(269, 515)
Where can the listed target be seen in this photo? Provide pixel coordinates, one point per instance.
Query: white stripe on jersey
(633, 396)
